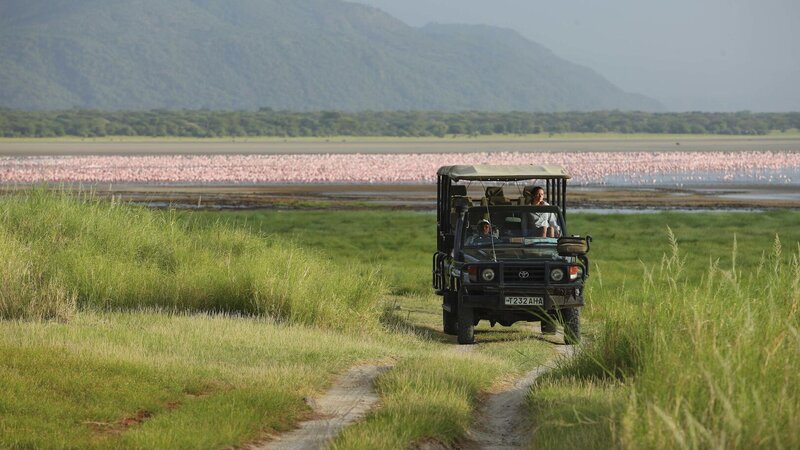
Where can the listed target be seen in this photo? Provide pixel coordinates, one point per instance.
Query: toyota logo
(524, 274)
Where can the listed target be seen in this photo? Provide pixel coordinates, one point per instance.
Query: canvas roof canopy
(517, 172)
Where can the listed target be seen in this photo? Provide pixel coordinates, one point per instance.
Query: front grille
(518, 274)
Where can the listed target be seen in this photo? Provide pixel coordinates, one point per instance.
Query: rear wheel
(450, 318)
(449, 322)
(572, 325)
(466, 327)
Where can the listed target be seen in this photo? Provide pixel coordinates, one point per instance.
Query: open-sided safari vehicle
(520, 266)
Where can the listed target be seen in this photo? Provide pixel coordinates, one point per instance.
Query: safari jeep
(500, 258)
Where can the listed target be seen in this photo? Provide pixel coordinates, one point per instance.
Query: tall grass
(395, 243)
(112, 256)
(24, 291)
(706, 364)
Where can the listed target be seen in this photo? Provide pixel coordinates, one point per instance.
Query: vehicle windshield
(511, 226)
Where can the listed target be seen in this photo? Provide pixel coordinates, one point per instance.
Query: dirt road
(503, 421)
(347, 401)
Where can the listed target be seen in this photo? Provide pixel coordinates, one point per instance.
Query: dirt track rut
(502, 421)
(347, 401)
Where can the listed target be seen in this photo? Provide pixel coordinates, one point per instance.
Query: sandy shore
(422, 197)
(398, 146)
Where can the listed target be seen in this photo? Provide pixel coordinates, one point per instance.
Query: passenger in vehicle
(483, 234)
(543, 224)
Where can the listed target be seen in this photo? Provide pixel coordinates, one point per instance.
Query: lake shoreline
(383, 145)
(422, 197)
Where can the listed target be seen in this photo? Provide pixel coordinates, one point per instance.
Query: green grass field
(129, 328)
(697, 350)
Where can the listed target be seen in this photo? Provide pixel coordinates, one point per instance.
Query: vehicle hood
(511, 254)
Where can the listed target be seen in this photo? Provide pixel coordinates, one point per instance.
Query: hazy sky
(710, 55)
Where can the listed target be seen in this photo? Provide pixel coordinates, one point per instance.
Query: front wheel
(466, 327)
(572, 325)
(548, 323)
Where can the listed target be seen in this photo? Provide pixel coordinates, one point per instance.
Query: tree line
(266, 122)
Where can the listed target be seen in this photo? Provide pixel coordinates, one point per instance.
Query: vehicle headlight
(557, 274)
(473, 273)
(487, 274)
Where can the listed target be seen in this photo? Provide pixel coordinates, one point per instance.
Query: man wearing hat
(484, 234)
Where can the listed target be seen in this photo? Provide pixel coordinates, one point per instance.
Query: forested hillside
(300, 55)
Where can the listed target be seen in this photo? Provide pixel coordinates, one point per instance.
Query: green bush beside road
(695, 345)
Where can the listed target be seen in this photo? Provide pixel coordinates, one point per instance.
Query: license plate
(533, 301)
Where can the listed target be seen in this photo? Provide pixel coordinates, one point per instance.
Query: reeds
(708, 364)
(24, 291)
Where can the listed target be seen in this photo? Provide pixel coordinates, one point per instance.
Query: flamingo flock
(586, 168)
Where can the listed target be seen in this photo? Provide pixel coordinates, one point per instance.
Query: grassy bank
(696, 348)
(132, 352)
(68, 252)
(692, 317)
(154, 380)
(129, 328)
(397, 245)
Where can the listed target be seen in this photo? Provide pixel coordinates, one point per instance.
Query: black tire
(548, 325)
(450, 318)
(572, 325)
(466, 327)
(449, 322)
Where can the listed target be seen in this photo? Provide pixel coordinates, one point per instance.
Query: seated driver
(483, 234)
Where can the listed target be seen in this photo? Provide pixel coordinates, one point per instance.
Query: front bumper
(493, 298)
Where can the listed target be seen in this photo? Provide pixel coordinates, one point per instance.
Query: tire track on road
(502, 421)
(348, 400)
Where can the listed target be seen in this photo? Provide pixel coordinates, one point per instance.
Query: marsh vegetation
(133, 328)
